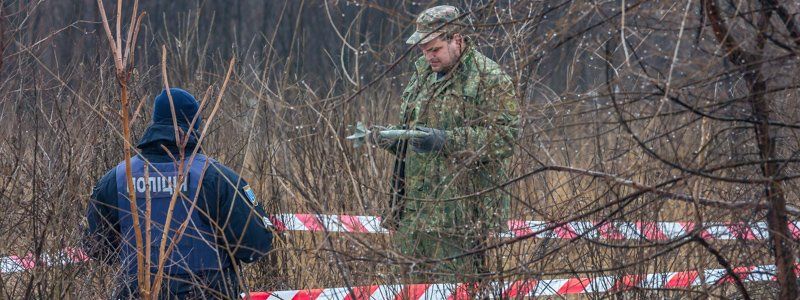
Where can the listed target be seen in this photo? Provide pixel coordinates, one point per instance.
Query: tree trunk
(776, 215)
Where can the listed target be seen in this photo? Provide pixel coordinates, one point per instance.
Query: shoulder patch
(250, 195)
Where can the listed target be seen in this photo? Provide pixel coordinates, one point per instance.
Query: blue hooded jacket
(224, 199)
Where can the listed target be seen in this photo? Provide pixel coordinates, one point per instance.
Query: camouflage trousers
(431, 260)
(437, 257)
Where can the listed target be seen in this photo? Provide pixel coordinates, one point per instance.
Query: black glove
(434, 142)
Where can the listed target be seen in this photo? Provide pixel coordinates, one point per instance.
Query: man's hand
(434, 142)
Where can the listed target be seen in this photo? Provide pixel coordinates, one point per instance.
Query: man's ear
(459, 39)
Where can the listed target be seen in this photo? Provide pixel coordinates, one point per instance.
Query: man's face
(442, 55)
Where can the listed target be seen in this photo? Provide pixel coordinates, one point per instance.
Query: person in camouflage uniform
(447, 198)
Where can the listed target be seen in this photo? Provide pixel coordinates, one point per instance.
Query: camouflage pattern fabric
(453, 202)
(433, 22)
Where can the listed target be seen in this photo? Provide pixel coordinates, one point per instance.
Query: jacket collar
(157, 135)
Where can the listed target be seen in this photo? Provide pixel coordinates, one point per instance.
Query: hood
(160, 134)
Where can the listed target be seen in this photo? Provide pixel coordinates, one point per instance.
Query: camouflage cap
(432, 19)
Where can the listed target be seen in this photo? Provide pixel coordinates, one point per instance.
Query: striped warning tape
(13, 264)
(643, 230)
(331, 223)
(616, 230)
(529, 288)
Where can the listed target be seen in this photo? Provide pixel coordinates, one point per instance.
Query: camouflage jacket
(476, 106)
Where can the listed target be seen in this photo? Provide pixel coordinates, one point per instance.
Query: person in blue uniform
(225, 224)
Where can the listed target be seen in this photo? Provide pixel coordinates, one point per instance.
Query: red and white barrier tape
(529, 288)
(615, 230)
(13, 264)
